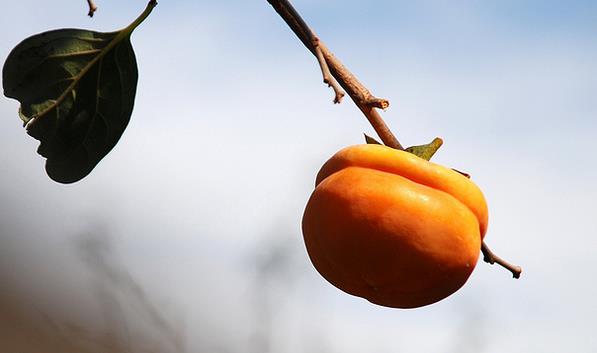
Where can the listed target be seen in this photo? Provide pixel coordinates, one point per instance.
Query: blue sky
(199, 204)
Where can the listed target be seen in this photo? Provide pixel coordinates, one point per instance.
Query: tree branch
(92, 8)
(366, 102)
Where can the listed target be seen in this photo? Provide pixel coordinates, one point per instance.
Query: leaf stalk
(122, 34)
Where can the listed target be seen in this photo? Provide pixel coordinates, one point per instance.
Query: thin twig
(92, 8)
(327, 75)
(491, 258)
(367, 102)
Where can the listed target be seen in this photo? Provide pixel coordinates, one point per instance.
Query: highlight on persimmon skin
(393, 228)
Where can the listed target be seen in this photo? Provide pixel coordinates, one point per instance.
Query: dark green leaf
(77, 90)
(426, 151)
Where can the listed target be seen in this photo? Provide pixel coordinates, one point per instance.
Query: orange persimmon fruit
(393, 228)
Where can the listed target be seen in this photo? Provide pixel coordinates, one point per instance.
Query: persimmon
(393, 228)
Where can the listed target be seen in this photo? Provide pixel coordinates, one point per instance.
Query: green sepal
(426, 151)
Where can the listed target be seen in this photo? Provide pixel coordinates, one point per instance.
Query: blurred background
(186, 237)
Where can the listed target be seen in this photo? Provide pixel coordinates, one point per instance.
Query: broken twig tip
(491, 258)
(92, 8)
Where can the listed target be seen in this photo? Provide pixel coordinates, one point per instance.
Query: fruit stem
(362, 97)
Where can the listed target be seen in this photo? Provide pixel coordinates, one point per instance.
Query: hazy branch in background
(117, 290)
